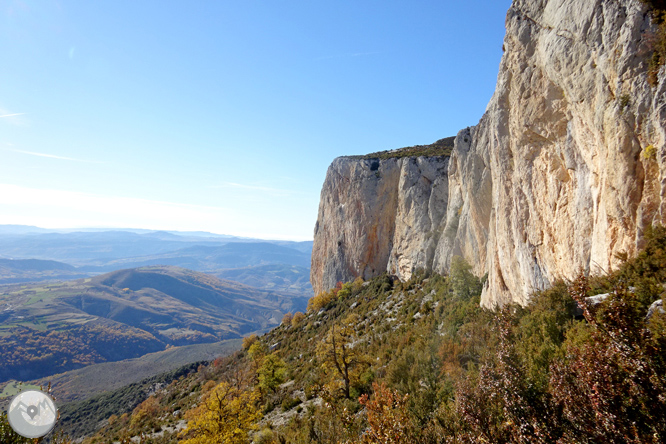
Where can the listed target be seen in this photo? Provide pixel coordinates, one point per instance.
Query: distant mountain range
(210, 258)
(70, 254)
(96, 248)
(54, 327)
(278, 277)
(30, 229)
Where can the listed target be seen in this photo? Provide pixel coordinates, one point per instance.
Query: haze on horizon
(223, 116)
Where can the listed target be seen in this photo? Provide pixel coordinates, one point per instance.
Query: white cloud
(12, 115)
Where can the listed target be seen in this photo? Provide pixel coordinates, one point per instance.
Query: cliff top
(442, 147)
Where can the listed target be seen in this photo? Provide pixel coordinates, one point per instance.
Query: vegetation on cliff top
(442, 147)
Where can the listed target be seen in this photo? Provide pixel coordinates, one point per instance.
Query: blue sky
(223, 116)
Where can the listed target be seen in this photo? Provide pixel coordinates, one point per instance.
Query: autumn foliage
(388, 417)
(225, 416)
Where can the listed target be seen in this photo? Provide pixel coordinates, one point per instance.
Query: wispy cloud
(52, 156)
(13, 118)
(349, 54)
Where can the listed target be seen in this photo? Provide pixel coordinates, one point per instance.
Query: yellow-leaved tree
(339, 359)
(224, 416)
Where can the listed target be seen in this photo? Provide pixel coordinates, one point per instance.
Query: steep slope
(558, 153)
(421, 362)
(564, 171)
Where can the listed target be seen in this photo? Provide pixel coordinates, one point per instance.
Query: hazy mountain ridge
(279, 277)
(210, 258)
(70, 254)
(81, 248)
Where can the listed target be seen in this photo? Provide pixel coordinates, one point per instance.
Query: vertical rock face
(554, 178)
(378, 215)
(561, 145)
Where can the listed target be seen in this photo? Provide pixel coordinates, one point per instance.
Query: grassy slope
(469, 373)
(388, 326)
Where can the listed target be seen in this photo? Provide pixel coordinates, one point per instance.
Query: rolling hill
(31, 270)
(51, 328)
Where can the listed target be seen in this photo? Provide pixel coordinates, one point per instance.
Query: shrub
(611, 384)
(388, 417)
(286, 319)
(442, 147)
(272, 373)
(297, 319)
(649, 152)
(289, 403)
(657, 40)
(249, 340)
(322, 300)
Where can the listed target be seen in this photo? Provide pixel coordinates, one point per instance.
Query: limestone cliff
(554, 178)
(377, 215)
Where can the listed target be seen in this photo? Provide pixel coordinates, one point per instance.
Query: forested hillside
(422, 362)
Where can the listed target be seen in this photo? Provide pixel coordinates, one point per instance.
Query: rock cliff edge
(565, 170)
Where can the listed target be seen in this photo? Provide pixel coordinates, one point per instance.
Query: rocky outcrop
(563, 172)
(655, 308)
